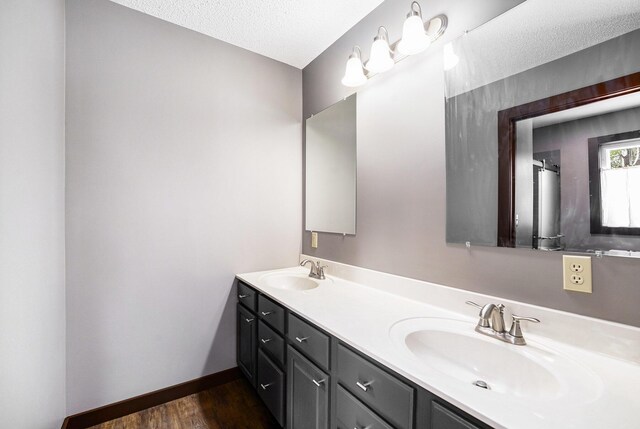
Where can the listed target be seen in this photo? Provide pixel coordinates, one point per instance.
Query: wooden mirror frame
(507, 119)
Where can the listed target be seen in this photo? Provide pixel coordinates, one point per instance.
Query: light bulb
(354, 75)
(450, 57)
(380, 60)
(414, 38)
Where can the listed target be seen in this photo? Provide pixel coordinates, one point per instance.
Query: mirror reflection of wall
(550, 194)
(330, 192)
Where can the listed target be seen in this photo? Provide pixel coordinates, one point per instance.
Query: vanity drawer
(442, 418)
(309, 340)
(247, 296)
(352, 413)
(271, 386)
(387, 395)
(271, 313)
(270, 341)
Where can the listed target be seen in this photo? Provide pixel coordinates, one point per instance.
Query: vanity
(363, 349)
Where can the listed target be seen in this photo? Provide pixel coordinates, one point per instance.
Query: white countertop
(362, 313)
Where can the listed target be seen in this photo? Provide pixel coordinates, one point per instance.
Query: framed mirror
(542, 130)
(330, 174)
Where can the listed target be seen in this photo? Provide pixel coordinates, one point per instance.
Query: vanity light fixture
(354, 74)
(414, 37)
(380, 60)
(417, 35)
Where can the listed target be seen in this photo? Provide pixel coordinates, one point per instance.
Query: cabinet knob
(249, 320)
(301, 340)
(265, 386)
(364, 386)
(265, 340)
(319, 382)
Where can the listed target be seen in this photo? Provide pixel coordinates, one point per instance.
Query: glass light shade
(414, 38)
(354, 75)
(450, 57)
(380, 60)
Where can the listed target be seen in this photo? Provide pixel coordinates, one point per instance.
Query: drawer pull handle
(266, 313)
(301, 340)
(249, 320)
(265, 341)
(242, 296)
(265, 386)
(318, 383)
(364, 386)
(363, 427)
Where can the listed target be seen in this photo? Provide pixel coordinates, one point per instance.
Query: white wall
(183, 168)
(32, 300)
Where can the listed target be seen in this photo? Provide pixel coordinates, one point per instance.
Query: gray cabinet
(246, 342)
(308, 393)
(247, 296)
(442, 418)
(309, 340)
(271, 342)
(351, 413)
(382, 391)
(271, 386)
(434, 413)
(271, 313)
(310, 380)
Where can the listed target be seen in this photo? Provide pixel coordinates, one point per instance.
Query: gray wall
(183, 168)
(32, 304)
(571, 138)
(401, 218)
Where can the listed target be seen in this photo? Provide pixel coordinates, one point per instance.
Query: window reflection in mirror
(614, 174)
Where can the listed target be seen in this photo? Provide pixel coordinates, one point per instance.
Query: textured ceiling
(291, 31)
(536, 32)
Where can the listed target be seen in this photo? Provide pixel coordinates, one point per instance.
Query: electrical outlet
(576, 267)
(576, 272)
(314, 240)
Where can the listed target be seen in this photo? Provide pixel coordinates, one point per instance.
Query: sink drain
(481, 384)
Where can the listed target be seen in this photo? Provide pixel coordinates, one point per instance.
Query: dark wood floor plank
(233, 405)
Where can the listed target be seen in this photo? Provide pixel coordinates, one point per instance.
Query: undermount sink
(453, 349)
(290, 281)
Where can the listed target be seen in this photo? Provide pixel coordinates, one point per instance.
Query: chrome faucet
(317, 270)
(491, 323)
(492, 316)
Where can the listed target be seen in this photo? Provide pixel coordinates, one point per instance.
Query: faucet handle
(320, 270)
(515, 330)
(483, 322)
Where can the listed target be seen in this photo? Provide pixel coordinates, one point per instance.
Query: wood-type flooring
(233, 405)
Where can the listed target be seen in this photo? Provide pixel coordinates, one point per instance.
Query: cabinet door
(271, 386)
(442, 418)
(307, 393)
(247, 336)
(352, 413)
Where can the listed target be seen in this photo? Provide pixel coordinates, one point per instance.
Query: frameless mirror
(543, 129)
(330, 198)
